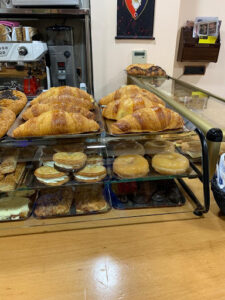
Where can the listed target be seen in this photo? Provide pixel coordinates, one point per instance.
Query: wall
(111, 57)
(213, 80)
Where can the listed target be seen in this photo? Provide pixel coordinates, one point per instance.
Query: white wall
(214, 79)
(111, 57)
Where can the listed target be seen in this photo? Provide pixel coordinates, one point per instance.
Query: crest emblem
(136, 7)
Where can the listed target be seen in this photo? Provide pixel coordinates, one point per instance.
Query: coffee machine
(61, 53)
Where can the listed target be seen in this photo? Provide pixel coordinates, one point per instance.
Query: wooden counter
(179, 259)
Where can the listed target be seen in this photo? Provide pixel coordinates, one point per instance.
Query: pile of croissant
(138, 110)
(60, 110)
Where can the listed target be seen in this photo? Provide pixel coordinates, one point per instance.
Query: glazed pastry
(130, 91)
(170, 163)
(13, 208)
(62, 91)
(193, 149)
(91, 173)
(56, 122)
(54, 202)
(37, 109)
(9, 162)
(13, 100)
(148, 120)
(66, 161)
(8, 184)
(7, 118)
(95, 160)
(130, 166)
(118, 109)
(89, 199)
(128, 147)
(76, 147)
(156, 146)
(50, 176)
(145, 70)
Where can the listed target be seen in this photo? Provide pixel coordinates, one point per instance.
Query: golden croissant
(148, 120)
(66, 99)
(130, 91)
(37, 109)
(56, 122)
(120, 108)
(7, 118)
(63, 91)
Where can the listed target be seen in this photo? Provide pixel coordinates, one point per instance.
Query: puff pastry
(7, 118)
(13, 100)
(145, 70)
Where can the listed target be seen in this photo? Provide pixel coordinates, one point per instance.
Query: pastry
(7, 118)
(13, 100)
(9, 162)
(56, 122)
(89, 199)
(156, 146)
(66, 161)
(130, 91)
(48, 163)
(54, 202)
(20, 168)
(14, 208)
(91, 173)
(130, 166)
(37, 109)
(170, 163)
(50, 176)
(145, 70)
(8, 183)
(120, 108)
(76, 147)
(148, 120)
(128, 147)
(62, 91)
(95, 160)
(193, 149)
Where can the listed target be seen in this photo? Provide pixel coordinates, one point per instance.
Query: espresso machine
(61, 54)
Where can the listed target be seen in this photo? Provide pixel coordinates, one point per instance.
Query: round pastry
(170, 163)
(50, 176)
(130, 166)
(7, 118)
(13, 100)
(158, 146)
(128, 148)
(91, 173)
(67, 161)
(193, 149)
(95, 160)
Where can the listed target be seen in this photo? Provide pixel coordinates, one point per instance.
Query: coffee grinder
(61, 53)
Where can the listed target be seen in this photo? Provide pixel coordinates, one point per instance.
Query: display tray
(146, 195)
(31, 182)
(104, 189)
(151, 176)
(31, 207)
(19, 121)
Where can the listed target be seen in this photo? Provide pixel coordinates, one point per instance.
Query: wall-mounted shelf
(42, 12)
(191, 51)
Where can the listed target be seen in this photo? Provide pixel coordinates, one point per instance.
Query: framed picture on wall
(135, 19)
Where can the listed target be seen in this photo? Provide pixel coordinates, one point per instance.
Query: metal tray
(20, 121)
(73, 212)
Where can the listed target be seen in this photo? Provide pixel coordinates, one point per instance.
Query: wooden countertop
(179, 259)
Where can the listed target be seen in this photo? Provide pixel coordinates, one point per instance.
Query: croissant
(56, 122)
(7, 118)
(63, 91)
(148, 120)
(37, 109)
(120, 108)
(130, 91)
(66, 99)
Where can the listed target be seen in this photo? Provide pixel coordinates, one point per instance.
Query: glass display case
(199, 107)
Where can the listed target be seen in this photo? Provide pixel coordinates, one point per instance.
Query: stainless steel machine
(61, 52)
